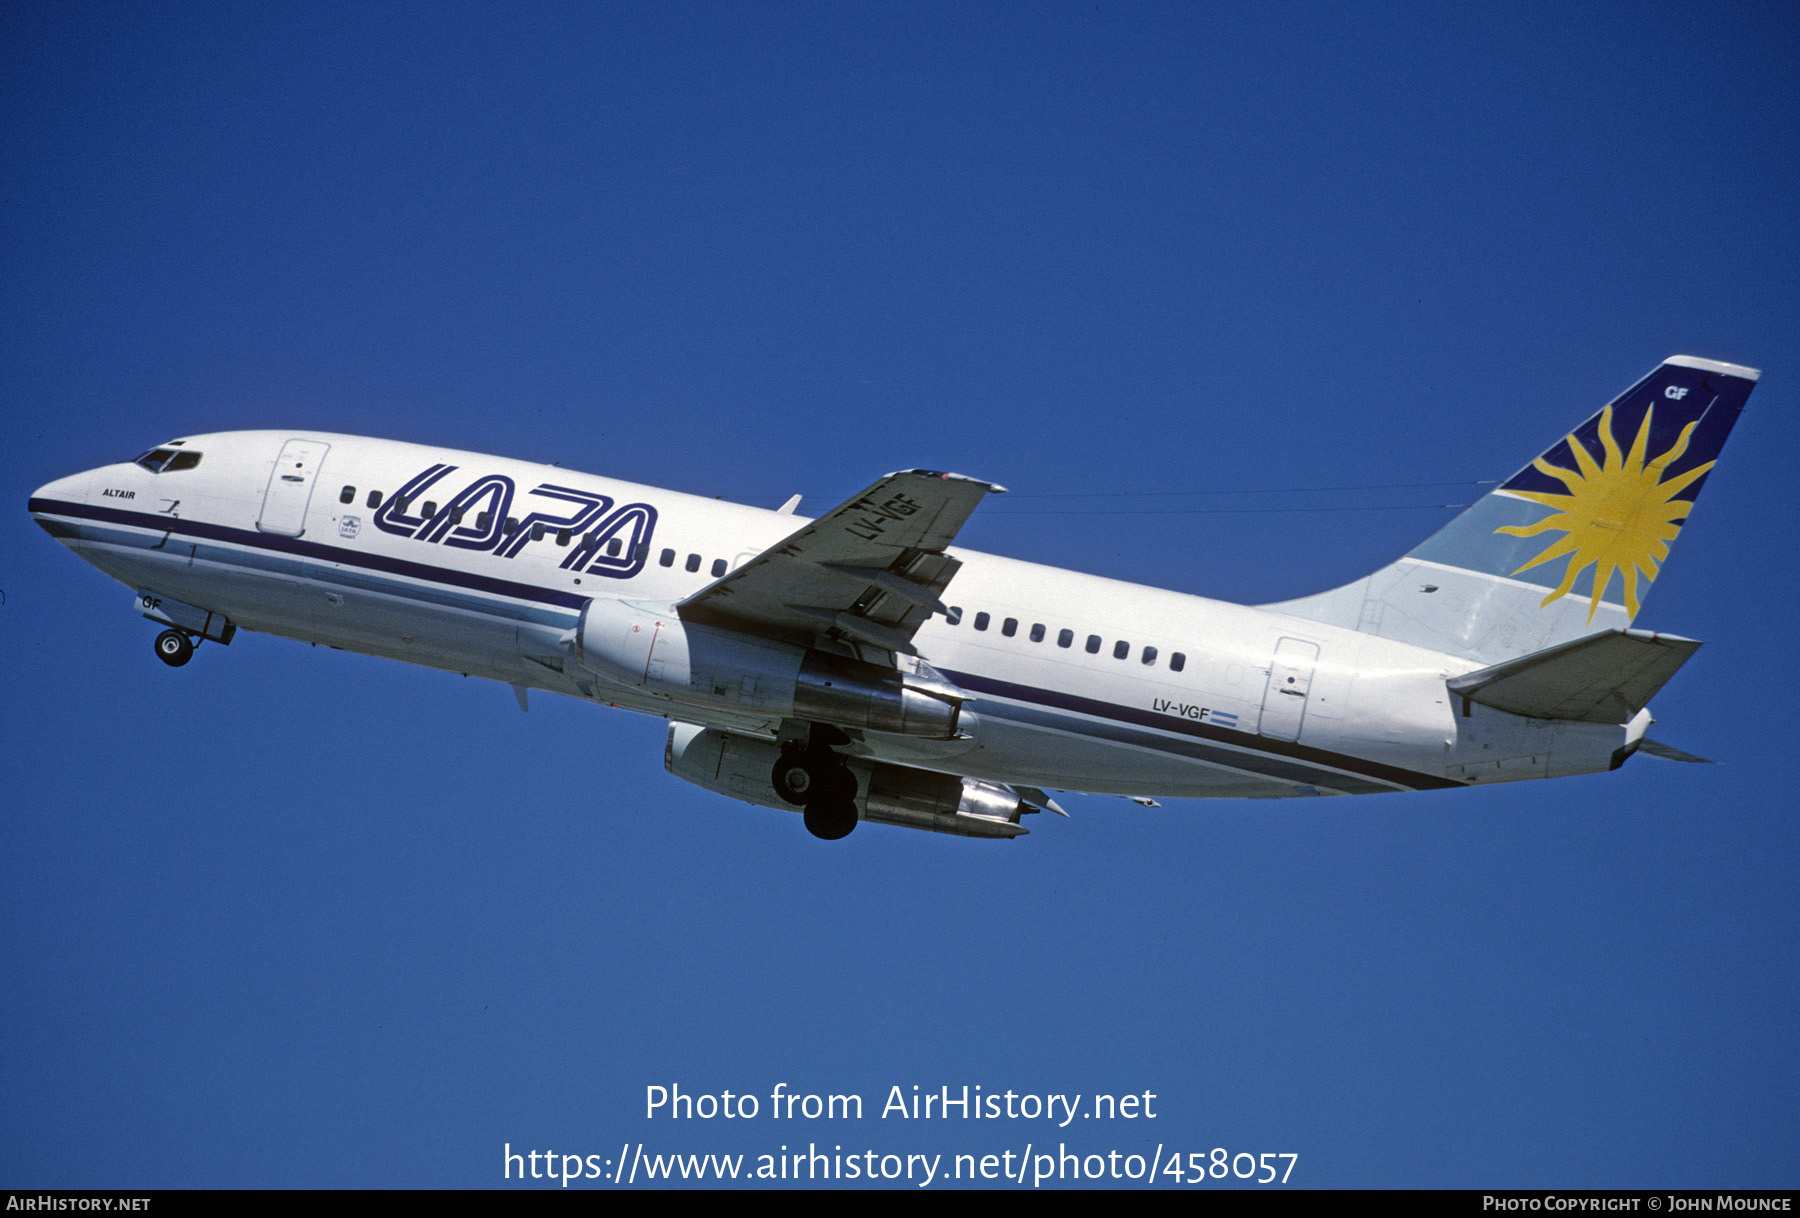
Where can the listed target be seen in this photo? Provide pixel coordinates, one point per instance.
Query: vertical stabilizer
(1570, 544)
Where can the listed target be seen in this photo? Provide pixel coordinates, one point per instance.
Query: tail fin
(1568, 545)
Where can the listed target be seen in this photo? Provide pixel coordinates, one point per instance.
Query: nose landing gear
(174, 648)
(188, 626)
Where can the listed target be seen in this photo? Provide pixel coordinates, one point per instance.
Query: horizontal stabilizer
(1656, 748)
(1603, 678)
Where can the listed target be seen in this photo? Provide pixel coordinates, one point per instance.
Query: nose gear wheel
(174, 648)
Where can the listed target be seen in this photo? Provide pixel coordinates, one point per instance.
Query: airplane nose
(50, 502)
(72, 489)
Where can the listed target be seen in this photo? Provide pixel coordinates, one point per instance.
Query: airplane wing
(870, 570)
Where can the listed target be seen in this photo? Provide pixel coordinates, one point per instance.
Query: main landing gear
(818, 780)
(174, 648)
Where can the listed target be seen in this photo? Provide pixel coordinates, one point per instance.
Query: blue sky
(293, 917)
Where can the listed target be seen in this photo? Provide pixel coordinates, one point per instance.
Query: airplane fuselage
(482, 565)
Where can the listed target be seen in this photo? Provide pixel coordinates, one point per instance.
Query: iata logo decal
(599, 539)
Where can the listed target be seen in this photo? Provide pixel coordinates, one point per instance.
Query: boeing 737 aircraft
(859, 667)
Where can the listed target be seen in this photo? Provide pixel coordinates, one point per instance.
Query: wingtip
(993, 488)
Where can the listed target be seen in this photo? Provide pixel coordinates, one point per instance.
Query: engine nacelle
(649, 647)
(739, 766)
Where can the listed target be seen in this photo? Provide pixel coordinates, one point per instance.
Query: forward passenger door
(290, 487)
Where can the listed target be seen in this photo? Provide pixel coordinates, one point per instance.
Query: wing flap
(1603, 678)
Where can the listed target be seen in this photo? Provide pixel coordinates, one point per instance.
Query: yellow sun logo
(1617, 516)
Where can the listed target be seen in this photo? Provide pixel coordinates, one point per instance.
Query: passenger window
(1009, 627)
(667, 558)
(981, 621)
(562, 537)
(1064, 637)
(954, 615)
(1037, 632)
(483, 521)
(181, 461)
(1149, 655)
(400, 502)
(641, 552)
(512, 525)
(347, 495)
(457, 514)
(1093, 645)
(430, 510)
(718, 567)
(693, 562)
(537, 531)
(374, 499)
(1177, 662)
(614, 546)
(1121, 649)
(590, 542)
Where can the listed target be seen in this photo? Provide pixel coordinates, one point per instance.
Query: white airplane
(859, 667)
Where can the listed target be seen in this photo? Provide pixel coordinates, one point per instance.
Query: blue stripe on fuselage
(313, 550)
(1253, 754)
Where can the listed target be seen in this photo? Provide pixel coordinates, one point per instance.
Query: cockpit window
(168, 460)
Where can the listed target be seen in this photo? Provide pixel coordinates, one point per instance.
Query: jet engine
(886, 794)
(649, 647)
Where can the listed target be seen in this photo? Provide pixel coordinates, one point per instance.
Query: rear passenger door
(1290, 680)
